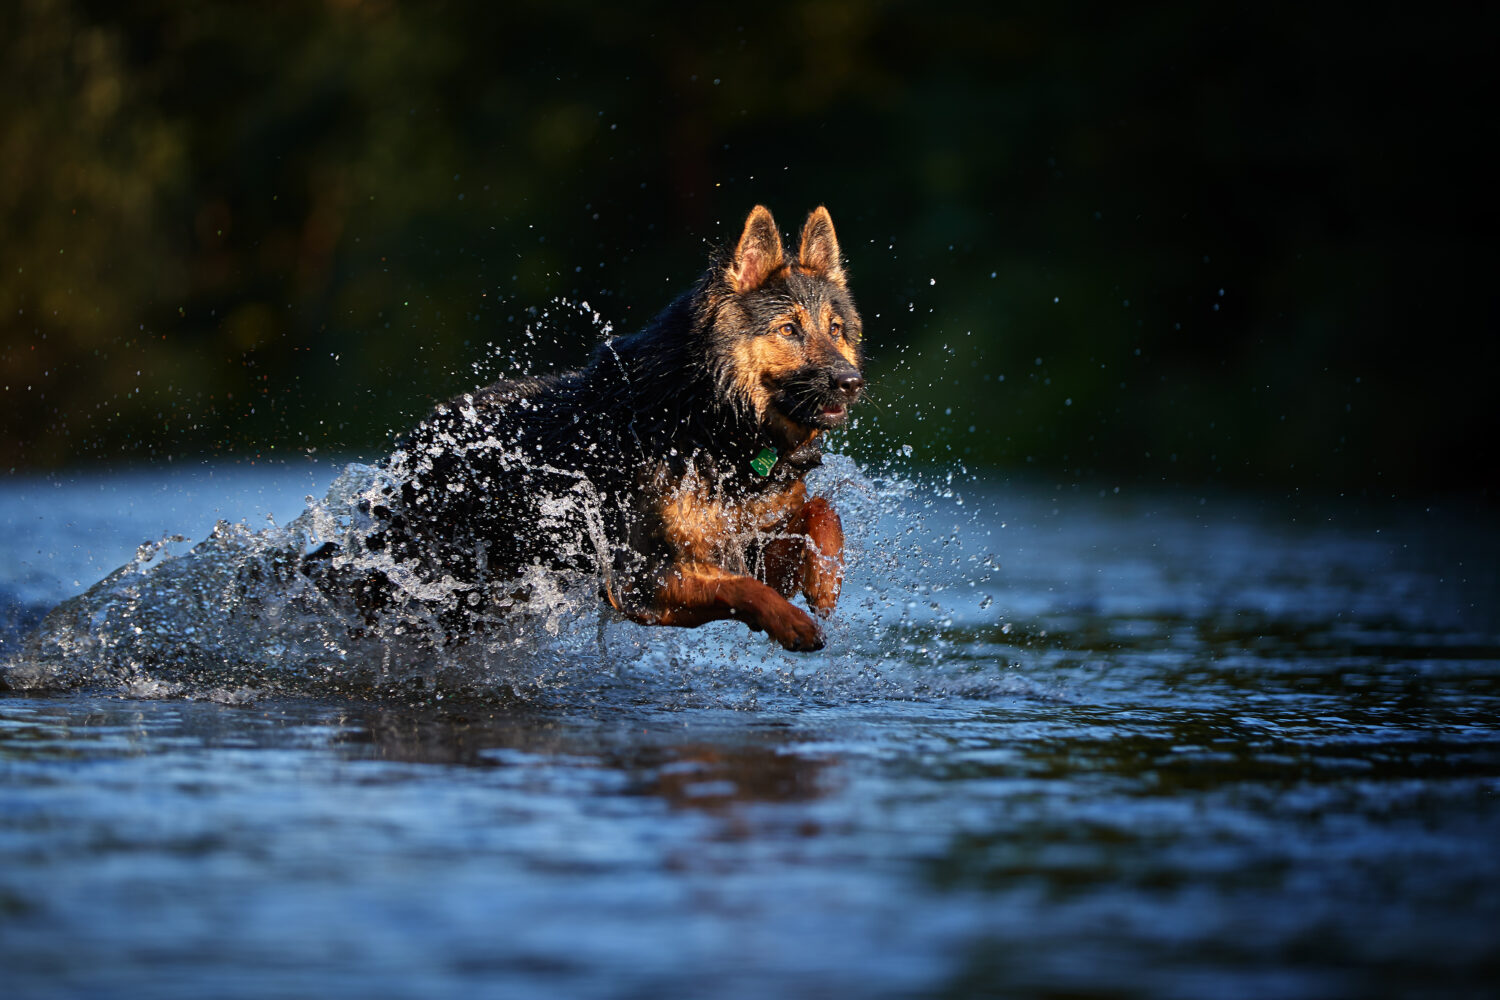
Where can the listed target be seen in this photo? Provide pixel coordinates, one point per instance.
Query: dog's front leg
(809, 557)
(692, 594)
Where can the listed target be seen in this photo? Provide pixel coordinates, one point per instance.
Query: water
(1062, 742)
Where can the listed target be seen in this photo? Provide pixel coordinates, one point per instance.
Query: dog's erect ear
(758, 254)
(819, 252)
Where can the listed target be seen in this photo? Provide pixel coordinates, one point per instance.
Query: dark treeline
(1180, 244)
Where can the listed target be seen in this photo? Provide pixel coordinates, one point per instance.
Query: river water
(1064, 741)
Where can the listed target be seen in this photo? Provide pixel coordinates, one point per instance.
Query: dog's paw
(823, 556)
(794, 629)
(822, 592)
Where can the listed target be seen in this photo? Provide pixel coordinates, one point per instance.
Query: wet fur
(650, 446)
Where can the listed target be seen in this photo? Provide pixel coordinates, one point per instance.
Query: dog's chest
(701, 525)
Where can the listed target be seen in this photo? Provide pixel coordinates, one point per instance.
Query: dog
(671, 466)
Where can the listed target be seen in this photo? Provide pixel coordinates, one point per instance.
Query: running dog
(672, 465)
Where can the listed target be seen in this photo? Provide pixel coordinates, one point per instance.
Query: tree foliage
(1185, 243)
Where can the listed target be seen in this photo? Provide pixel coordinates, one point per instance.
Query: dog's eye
(836, 329)
(788, 330)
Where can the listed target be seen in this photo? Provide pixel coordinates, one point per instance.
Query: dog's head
(785, 335)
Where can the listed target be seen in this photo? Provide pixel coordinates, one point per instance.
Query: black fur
(482, 475)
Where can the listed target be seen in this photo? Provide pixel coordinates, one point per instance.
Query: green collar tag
(764, 462)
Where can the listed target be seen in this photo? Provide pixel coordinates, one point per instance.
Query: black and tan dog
(672, 465)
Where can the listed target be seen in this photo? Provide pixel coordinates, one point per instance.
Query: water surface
(1064, 742)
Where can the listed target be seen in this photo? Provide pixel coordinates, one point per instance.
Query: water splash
(324, 605)
(240, 613)
(244, 613)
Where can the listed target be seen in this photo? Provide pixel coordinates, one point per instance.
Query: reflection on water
(1231, 749)
(698, 775)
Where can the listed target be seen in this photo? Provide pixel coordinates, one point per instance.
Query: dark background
(1183, 244)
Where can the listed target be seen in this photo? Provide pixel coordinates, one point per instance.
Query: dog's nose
(850, 384)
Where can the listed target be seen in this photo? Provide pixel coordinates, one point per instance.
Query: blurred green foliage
(1177, 244)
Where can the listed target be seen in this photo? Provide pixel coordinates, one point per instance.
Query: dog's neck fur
(666, 380)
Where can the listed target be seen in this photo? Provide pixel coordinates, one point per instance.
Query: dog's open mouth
(812, 407)
(821, 414)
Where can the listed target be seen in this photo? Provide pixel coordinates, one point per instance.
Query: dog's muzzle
(846, 385)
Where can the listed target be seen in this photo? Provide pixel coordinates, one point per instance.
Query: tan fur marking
(758, 360)
(692, 593)
(845, 347)
(809, 556)
(747, 380)
(702, 527)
